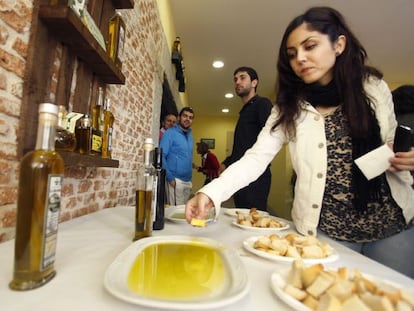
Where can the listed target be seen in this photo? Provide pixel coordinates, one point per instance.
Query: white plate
(278, 283)
(232, 211)
(237, 284)
(177, 214)
(285, 226)
(249, 242)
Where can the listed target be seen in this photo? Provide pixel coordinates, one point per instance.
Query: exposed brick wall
(135, 106)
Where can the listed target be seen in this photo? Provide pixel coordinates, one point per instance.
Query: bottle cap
(148, 144)
(85, 121)
(148, 140)
(49, 108)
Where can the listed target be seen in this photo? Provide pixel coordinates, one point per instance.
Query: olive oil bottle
(108, 125)
(116, 39)
(38, 206)
(97, 126)
(144, 195)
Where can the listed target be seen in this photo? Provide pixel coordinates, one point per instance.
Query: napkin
(375, 162)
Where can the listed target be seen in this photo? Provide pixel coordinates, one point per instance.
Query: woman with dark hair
(331, 108)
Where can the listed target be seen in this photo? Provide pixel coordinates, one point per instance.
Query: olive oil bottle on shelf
(108, 124)
(97, 126)
(144, 194)
(83, 133)
(38, 206)
(116, 39)
(159, 190)
(65, 140)
(176, 55)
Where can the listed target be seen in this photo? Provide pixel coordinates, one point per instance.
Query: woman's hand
(198, 207)
(402, 161)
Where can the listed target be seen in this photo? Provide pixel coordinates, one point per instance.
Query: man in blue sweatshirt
(177, 157)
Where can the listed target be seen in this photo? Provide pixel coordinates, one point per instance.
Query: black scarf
(322, 95)
(364, 190)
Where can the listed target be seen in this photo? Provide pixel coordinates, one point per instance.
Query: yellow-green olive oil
(179, 271)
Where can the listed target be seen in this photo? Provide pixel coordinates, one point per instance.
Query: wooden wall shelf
(68, 28)
(76, 159)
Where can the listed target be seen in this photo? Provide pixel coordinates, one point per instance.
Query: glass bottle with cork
(38, 206)
(144, 194)
(116, 39)
(108, 123)
(97, 126)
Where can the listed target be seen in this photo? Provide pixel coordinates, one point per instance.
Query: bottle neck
(147, 158)
(46, 131)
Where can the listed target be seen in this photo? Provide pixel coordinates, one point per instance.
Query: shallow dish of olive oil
(177, 272)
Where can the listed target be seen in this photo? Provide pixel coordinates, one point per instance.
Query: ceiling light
(218, 64)
(229, 95)
(225, 110)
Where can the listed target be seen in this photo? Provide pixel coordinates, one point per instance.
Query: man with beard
(252, 118)
(177, 156)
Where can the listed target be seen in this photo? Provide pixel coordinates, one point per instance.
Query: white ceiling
(248, 33)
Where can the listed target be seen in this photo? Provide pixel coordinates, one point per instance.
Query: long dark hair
(349, 74)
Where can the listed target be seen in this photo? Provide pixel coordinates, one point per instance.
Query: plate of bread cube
(314, 287)
(289, 247)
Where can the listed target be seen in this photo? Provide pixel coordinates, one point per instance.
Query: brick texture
(85, 190)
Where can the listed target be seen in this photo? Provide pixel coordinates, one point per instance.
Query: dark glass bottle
(83, 134)
(159, 189)
(38, 206)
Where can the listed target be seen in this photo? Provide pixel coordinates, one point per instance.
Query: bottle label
(96, 143)
(52, 204)
(154, 197)
(110, 139)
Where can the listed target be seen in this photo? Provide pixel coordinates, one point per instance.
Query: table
(87, 246)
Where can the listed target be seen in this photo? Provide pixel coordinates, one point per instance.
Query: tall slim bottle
(144, 195)
(38, 207)
(116, 39)
(176, 55)
(108, 124)
(159, 190)
(97, 116)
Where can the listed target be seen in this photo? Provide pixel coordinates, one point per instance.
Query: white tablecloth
(87, 245)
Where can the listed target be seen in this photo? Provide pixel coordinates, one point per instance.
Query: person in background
(177, 156)
(252, 118)
(403, 98)
(168, 121)
(331, 108)
(209, 163)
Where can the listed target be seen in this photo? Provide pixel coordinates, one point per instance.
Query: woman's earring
(338, 53)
